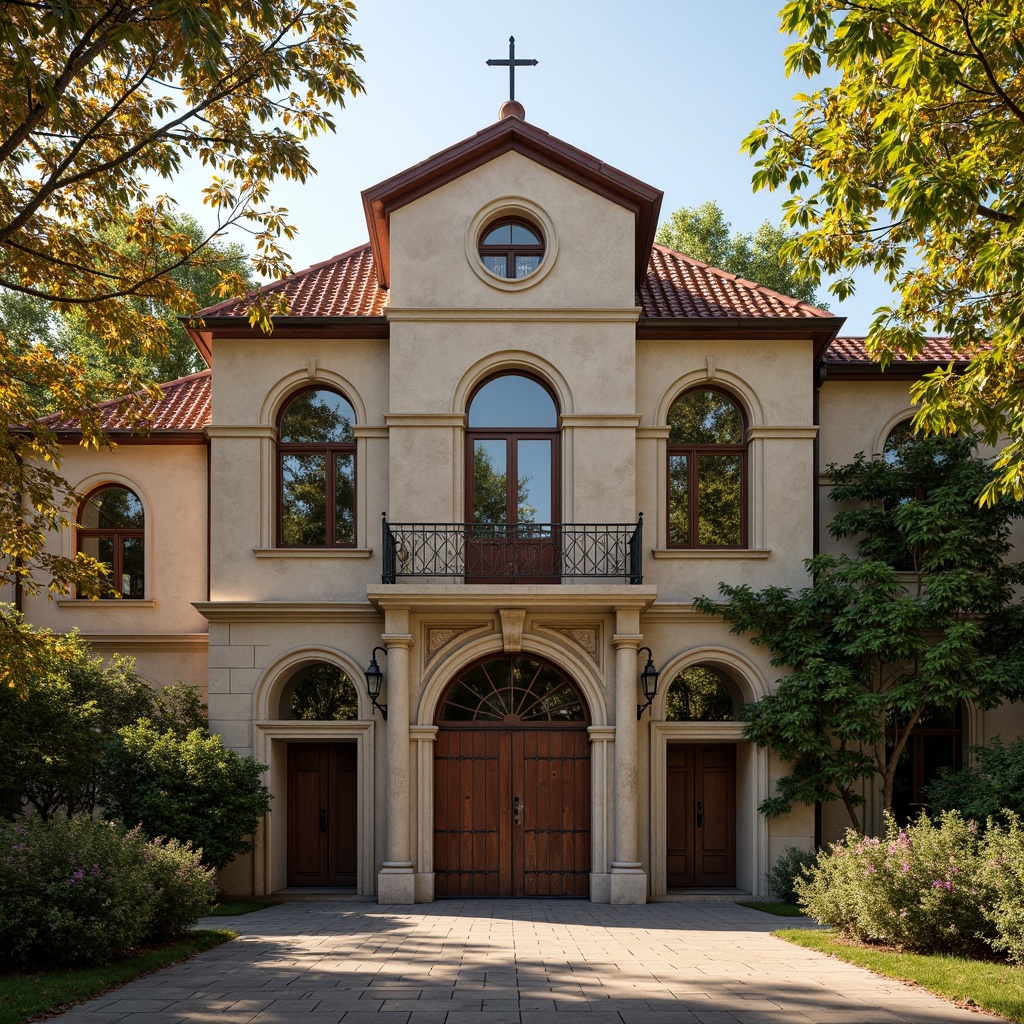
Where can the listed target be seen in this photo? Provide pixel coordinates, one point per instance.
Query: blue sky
(662, 89)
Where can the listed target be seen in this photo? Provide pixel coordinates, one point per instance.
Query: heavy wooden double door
(512, 812)
(322, 814)
(701, 819)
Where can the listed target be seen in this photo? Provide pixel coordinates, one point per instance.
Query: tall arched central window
(707, 469)
(316, 453)
(512, 479)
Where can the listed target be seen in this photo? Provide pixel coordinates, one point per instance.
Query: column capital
(601, 733)
(621, 641)
(397, 640)
(423, 733)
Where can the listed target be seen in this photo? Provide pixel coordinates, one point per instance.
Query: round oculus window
(511, 248)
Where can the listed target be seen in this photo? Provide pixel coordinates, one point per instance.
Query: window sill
(312, 552)
(124, 602)
(689, 553)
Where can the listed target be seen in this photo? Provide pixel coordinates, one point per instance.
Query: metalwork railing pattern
(512, 552)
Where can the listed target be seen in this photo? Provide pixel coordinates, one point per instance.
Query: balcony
(526, 553)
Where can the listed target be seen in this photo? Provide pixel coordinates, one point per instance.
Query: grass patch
(990, 985)
(233, 908)
(25, 996)
(777, 908)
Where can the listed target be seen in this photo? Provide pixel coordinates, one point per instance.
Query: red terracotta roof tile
(677, 285)
(345, 285)
(185, 405)
(854, 350)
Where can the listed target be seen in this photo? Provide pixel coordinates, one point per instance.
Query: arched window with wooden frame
(512, 481)
(112, 529)
(316, 465)
(707, 471)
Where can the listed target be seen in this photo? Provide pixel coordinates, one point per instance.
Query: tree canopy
(703, 233)
(907, 161)
(103, 102)
(925, 615)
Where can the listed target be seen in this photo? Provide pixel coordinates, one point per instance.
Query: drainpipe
(820, 376)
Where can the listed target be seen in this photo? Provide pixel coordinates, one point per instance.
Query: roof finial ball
(512, 108)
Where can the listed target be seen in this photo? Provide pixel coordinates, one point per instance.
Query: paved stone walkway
(513, 962)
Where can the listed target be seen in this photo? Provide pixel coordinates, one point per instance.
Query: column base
(396, 883)
(628, 883)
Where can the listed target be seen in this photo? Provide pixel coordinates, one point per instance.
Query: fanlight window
(111, 529)
(707, 465)
(320, 693)
(317, 471)
(512, 689)
(699, 694)
(511, 248)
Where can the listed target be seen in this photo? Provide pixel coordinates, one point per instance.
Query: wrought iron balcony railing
(512, 552)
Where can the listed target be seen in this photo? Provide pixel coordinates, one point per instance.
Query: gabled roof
(184, 408)
(510, 134)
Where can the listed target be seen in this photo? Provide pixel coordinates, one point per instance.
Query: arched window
(316, 453)
(511, 248)
(320, 693)
(707, 470)
(896, 439)
(512, 480)
(700, 694)
(111, 529)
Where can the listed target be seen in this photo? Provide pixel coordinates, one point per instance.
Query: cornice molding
(770, 433)
(595, 314)
(241, 430)
(425, 419)
(457, 597)
(147, 643)
(286, 611)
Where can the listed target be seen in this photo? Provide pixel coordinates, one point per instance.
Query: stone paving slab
(513, 962)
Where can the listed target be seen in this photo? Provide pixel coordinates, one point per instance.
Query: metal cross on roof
(512, 64)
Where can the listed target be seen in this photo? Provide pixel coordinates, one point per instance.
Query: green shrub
(922, 887)
(992, 785)
(192, 789)
(1004, 870)
(787, 870)
(78, 891)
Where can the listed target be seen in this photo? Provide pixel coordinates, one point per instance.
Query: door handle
(517, 811)
(323, 821)
(700, 814)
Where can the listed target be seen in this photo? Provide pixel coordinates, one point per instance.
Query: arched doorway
(512, 782)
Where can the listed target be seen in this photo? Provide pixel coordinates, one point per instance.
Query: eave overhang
(511, 134)
(822, 331)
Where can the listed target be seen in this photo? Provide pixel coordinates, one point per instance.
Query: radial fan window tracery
(512, 689)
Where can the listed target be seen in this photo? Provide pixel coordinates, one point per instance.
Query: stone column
(628, 879)
(396, 881)
(424, 737)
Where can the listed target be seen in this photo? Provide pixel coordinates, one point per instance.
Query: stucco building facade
(499, 450)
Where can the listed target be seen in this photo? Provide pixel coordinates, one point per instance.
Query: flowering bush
(923, 887)
(78, 891)
(1003, 867)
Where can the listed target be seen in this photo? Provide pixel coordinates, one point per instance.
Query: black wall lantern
(374, 678)
(648, 680)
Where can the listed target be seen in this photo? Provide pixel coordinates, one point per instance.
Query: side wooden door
(701, 819)
(322, 814)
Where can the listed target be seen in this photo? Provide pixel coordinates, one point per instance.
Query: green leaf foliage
(703, 233)
(989, 787)
(923, 616)
(189, 788)
(102, 104)
(907, 162)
